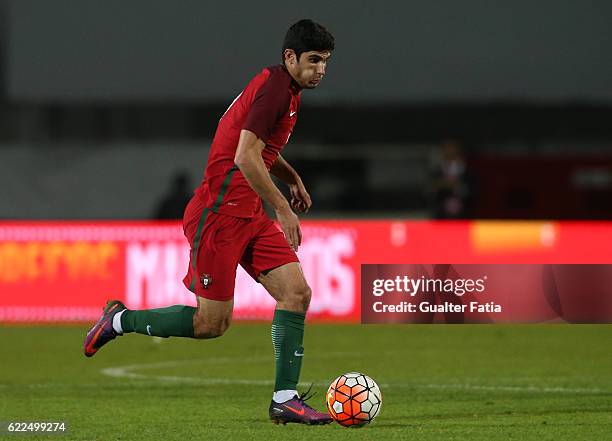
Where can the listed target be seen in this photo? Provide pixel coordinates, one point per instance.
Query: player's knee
(210, 329)
(302, 295)
(216, 331)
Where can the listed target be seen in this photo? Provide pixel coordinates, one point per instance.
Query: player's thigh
(270, 260)
(212, 318)
(287, 285)
(216, 248)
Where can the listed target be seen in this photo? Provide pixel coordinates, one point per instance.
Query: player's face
(309, 70)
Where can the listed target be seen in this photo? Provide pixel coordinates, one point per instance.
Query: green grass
(439, 382)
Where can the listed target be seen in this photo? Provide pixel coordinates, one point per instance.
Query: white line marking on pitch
(511, 388)
(128, 372)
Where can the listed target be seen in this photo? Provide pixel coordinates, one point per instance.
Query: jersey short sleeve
(270, 103)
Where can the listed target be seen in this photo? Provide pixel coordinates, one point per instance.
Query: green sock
(174, 321)
(287, 339)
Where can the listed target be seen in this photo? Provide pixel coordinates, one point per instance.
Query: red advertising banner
(65, 271)
(481, 293)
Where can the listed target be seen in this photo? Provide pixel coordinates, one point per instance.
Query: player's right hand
(290, 224)
(300, 199)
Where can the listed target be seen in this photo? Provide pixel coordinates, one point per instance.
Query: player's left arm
(300, 199)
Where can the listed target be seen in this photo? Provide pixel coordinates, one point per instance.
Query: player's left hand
(300, 199)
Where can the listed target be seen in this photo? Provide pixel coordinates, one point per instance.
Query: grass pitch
(439, 382)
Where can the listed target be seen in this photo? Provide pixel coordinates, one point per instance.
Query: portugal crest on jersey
(206, 280)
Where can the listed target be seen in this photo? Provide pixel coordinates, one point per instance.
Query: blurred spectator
(174, 202)
(452, 185)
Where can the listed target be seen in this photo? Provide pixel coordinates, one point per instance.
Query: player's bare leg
(287, 285)
(212, 318)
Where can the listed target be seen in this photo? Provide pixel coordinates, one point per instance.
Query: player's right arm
(250, 162)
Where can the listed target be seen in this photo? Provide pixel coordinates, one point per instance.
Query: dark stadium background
(115, 98)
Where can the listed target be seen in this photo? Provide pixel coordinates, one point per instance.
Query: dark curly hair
(306, 35)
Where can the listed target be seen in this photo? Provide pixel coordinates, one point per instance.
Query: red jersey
(267, 107)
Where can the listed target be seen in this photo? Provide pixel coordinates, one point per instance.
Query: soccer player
(226, 225)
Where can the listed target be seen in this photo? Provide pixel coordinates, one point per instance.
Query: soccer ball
(353, 399)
